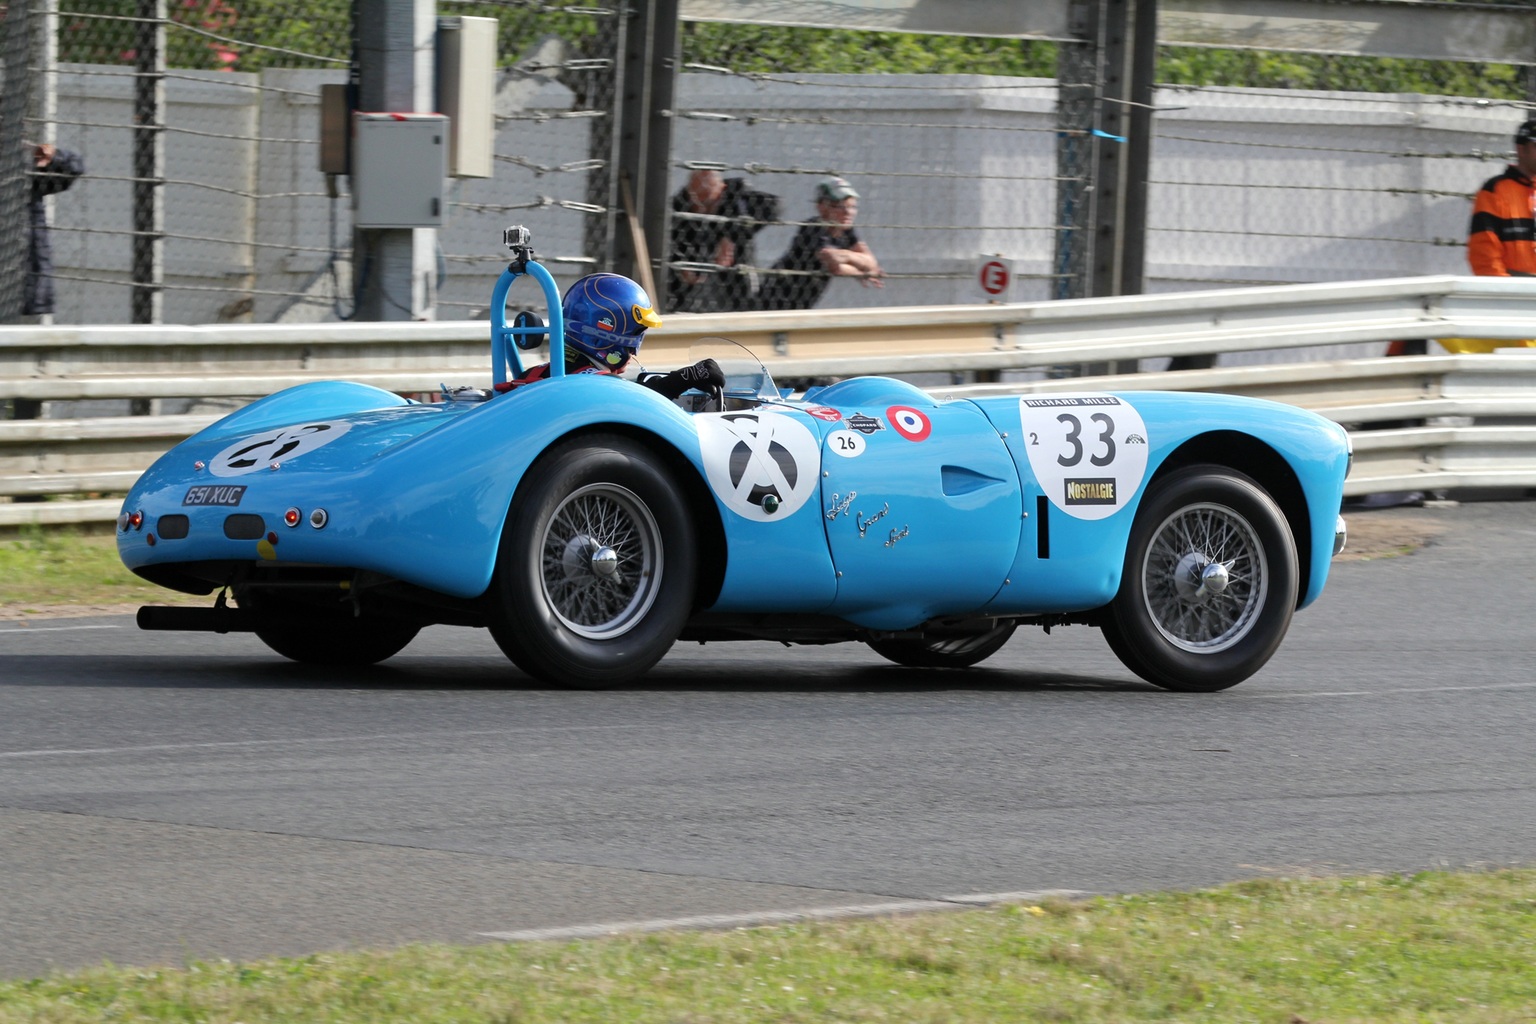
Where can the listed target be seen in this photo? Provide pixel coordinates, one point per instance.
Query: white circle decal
(909, 423)
(763, 467)
(261, 450)
(1089, 452)
(849, 444)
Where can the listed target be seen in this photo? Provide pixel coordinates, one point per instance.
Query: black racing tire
(316, 637)
(945, 652)
(596, 573)
(1210, 582)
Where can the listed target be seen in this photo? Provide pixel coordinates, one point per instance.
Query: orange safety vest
(1502, 239)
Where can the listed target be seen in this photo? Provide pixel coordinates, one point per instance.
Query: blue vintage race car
(590, 523)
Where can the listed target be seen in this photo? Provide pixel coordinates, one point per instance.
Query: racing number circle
(909, 423)
(260, 451)
(1088, 451)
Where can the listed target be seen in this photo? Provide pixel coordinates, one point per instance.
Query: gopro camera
(520, 240)
(517, 238)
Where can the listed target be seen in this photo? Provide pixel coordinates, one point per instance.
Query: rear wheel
(316, 636)
(595, 575)
(1209, 585)
(944, 652)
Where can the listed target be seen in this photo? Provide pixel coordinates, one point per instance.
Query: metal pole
(15, 158)
(148, 163)
(1110, 172)
(648, 86)
(46, 52)
(1138, 148)
(394, 269)
(1077, 76)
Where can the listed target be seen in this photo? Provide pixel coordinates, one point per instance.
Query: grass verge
(1434, 946)
(45, 569)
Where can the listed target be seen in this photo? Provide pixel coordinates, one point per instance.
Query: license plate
(214, 494)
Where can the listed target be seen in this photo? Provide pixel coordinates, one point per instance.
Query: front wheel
(595, 574)
(944, 652)
(1209, 585)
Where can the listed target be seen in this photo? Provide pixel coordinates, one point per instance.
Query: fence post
(648, 90)
(15, 160)
(149, 162)
(393, 269)
(1077, 74)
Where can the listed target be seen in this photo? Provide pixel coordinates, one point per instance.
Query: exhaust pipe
(219, 619)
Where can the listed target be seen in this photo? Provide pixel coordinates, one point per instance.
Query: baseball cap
(837, 189)
(1526, 132)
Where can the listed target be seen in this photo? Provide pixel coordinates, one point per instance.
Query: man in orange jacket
(1502, 239)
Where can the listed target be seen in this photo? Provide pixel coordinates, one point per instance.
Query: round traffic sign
(995, 277)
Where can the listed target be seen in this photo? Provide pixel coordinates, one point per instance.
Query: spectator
(826, 248)
(1501, 241)
(736, 214)
(54, 170)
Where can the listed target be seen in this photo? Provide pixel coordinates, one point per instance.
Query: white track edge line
(756, 919)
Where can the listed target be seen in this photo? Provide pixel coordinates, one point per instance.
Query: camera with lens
(520, 240)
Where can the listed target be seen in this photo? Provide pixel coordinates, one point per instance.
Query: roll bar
(505, 339)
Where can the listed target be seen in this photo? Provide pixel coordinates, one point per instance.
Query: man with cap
(1502, 238)
(825, 248)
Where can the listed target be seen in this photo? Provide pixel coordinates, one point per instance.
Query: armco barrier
(1478, 412)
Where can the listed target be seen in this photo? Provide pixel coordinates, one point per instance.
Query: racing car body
(590, 523)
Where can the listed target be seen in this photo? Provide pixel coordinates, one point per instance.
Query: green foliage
(766, 49)
(1268, 69)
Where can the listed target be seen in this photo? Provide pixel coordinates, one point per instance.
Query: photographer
(725, 216)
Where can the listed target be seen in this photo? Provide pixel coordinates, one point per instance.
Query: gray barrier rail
(1473, 417)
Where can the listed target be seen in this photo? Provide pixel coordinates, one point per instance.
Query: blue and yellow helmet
(606, 316)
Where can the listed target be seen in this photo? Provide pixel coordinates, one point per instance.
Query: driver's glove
(705, 373)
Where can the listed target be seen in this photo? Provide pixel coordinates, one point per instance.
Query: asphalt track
(169, 797)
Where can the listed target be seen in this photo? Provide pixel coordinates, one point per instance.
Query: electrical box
(399, 167)
(466, 93)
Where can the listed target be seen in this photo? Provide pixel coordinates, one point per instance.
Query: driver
(606, 316)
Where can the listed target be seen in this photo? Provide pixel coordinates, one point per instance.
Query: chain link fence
(244, 225)
(1266, 168)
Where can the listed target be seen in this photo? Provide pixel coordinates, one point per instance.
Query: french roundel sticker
(909, 423)
(1088, 451)
(277, 445)
(763, 466)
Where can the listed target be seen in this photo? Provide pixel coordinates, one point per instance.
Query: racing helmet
(605, 318)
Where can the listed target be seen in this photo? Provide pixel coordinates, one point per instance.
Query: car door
(922, 509)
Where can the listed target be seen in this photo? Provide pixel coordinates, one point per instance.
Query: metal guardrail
(1474, 415)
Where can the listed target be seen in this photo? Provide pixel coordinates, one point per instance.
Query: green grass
(1435, 946)
(41, 569)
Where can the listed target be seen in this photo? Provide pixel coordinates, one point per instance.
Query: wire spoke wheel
(600, 567)
(597, 566)
(1205, 578)
(1210, 582)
